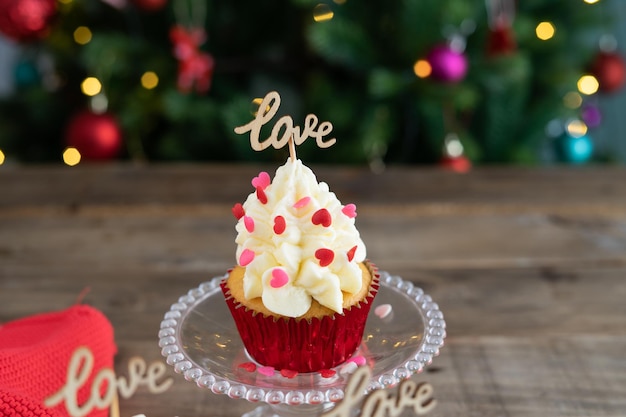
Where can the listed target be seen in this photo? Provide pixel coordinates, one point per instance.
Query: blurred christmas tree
(413, 81)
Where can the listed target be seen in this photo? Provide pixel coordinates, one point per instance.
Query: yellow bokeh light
(82, 35)
(545, 30)
(91, 86)
(572, 100)
(576, 128)
(1, 157)
(149, 80)
(591, 1)
(422, 68)
(71, 156)
(588, 84)
(256, 103)
(322, 13)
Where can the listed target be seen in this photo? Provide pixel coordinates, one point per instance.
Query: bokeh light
(422, 68)
(572, 100)
(545, 31)
(588, 84)
(254, 106)
(91, 86)
(149, 80)
(82, 35)
(576, 128)
(322, 13)
(591, 1)
(71, 156)
(1, 157)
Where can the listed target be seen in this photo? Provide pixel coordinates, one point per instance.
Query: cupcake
(302, 287)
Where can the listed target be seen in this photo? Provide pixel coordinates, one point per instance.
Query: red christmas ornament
(26, 20)
(448, 65)
(195, 68)
(610, 70)
(150, 5)
(501, 41)
(453, 158)
(96, 136)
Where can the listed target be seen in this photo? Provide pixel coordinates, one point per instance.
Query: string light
(91, 86)
(71, 156)
(82, 35)
(322, 13)
(422, 68)
(545, 31)
(149, 80)
(572, 100)
(576, 128)
(588, 84)
(1, 157)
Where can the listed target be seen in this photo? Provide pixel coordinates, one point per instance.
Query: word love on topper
(267, 110)
(105, 385)
(382, 403)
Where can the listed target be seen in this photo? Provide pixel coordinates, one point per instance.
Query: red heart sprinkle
(279, 225)
(349, 210)
(322, 216)
(238, 211)
(261, 181)
(288, 373)
(325, 256)
(351, 253)
(328, 373)
(260, 194)
(247, 366)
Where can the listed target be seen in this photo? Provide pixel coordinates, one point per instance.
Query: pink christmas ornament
(448, 65)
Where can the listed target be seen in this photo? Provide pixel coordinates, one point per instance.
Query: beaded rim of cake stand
(433, 340)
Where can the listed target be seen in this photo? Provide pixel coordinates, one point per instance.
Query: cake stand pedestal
(199, 339)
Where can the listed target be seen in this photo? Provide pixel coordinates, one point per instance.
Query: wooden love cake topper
(291, 135)
(382, 402)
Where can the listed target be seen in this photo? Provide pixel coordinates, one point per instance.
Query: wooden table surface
(527, 265)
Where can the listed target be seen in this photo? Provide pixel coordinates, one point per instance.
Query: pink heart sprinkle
(261, 181)
(349, 210)
(246, 257)
(359, 360)
(302, 202)
(279, 225)
(266, 370)
(238, 211)
(328, 373)
(383, 310)
(288, 373)
(279, 278)
(249, 223)
(248, 366)
(351, 253)
(322, 217)
(325, 256)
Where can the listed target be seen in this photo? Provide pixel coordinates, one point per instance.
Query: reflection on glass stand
(199, 339)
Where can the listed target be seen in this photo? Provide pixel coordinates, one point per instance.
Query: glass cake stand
(199, 339)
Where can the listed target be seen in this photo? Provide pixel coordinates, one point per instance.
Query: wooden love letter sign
(383, 403)
(267, 110)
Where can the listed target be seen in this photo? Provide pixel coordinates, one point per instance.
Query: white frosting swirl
(308, 258)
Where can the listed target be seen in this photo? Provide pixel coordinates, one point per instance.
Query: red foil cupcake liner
(302, 345)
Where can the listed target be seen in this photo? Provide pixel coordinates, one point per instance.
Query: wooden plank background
(527, 265)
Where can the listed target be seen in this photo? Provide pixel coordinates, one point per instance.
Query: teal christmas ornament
(574, 149)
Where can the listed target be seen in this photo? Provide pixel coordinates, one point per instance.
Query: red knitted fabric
(35, 352)
(13, 405)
